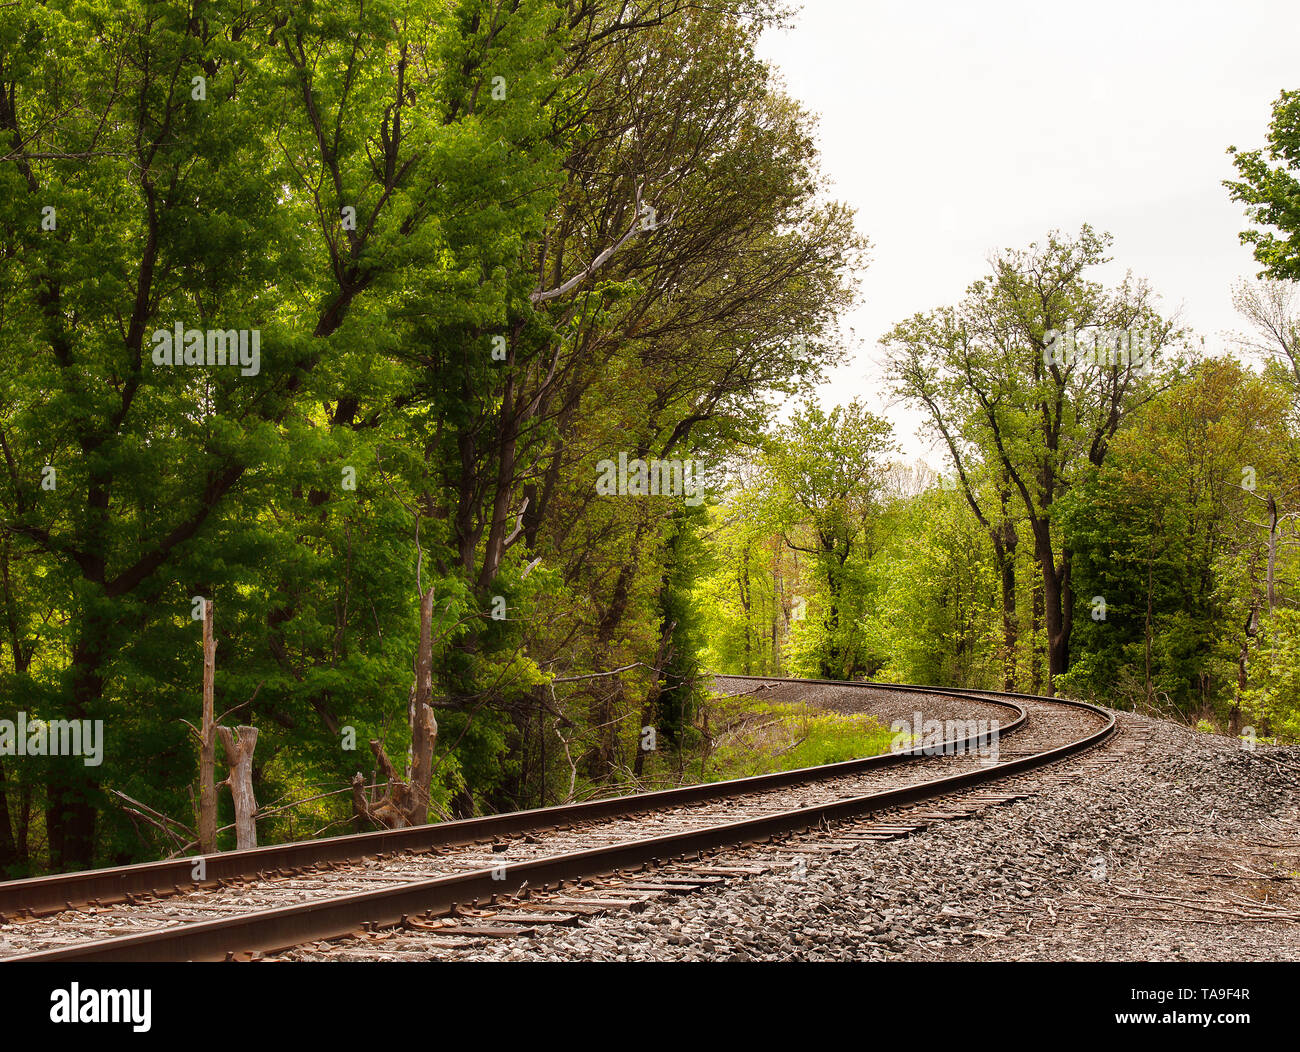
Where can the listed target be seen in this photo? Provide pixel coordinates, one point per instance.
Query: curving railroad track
(501, 875)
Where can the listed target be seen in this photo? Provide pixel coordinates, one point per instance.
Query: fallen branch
(1211, 909)
(157, 819)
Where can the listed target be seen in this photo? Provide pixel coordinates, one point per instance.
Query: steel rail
(110, 886)
(284, 927)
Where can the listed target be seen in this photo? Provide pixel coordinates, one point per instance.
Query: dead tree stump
(207, 739)
(406, 802)
(239, 758)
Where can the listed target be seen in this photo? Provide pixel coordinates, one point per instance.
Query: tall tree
(1038, 367)
(1162, 538)
(829, 471)
(1269, 187)
(272, 170)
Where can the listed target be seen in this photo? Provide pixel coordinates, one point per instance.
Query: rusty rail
(42, 895)
(283, 927)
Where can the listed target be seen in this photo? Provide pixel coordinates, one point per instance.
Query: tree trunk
(1056, 602)
(1035, 630)
(406, 801)
(650, 707)
(24, 821)
(424, 728)
(1004, 548)
(208, 740)
(1272, 550)
(1149, 689)
(743, 592)
(72, 789)
(777, 608)
(832, 661)
(1251, 630)
(239, 758)
(8, 846)
(22, 655)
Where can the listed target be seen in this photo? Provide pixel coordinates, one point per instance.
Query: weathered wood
(208, 740)
(424, 728)
(383, 812)
(239, 758)
(406, 803)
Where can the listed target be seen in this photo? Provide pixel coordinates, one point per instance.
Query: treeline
(327, 314)
(1117, 519)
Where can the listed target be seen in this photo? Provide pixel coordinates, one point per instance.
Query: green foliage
(405, 201)
(1003, 385)
(762, 737)
(1157, 534)
(1270, 189)
(1272, 704)
(931, 617)
(826, 475)
(682, 689)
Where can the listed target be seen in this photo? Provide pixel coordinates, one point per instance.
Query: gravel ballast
(1186, 849)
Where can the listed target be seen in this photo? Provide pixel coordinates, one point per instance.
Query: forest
(1116, 521)
(455, 364)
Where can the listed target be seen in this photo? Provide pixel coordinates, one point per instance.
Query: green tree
(281, 170)
(827, 471)
(1169, 570)
(1269, 187)
(1002, 374)
(484, 245)
(931, 616)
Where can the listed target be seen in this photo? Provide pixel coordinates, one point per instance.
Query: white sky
(957, 128)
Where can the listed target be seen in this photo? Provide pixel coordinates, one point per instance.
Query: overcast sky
(956, 128)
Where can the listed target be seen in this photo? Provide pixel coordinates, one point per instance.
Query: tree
(827, 471)
(282, 172)
(1037, 368)
(930, 612)
(1162, 536)
(757, 588)
(482, 246)
(1270, 189)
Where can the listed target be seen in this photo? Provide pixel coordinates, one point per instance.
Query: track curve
(532, 849)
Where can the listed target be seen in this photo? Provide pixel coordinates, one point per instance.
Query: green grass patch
(745, 736)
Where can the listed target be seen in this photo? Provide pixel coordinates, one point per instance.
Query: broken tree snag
(208, 740)
(424, 728)
(380, 812)
(409, 796)
(239, 758)
(406, 801)
(386, 811)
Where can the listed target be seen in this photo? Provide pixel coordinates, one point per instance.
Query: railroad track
(504, 875)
